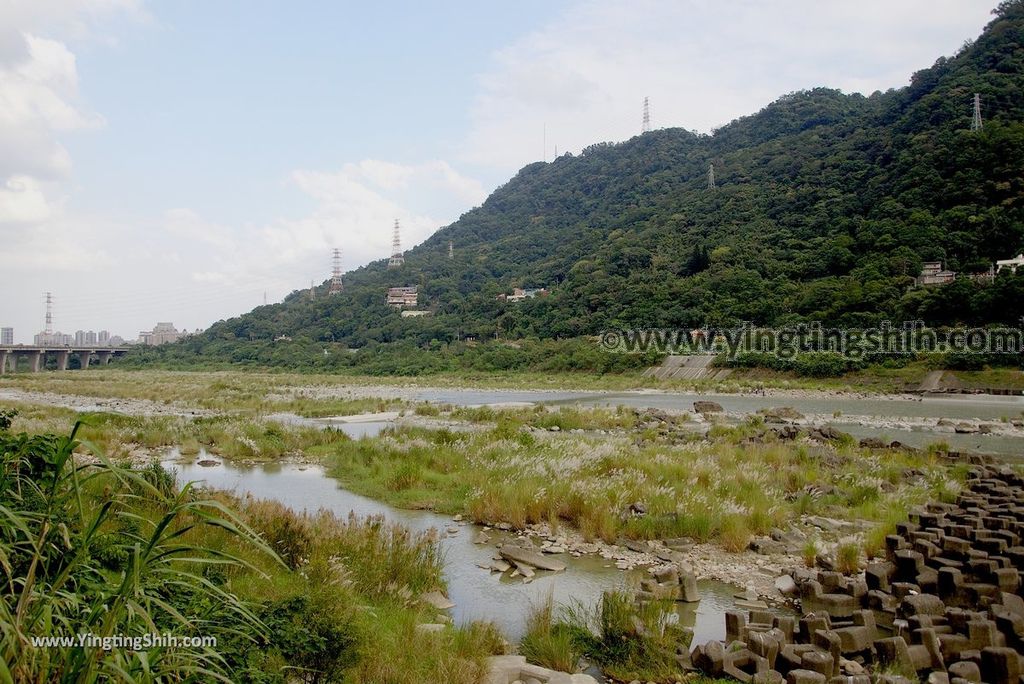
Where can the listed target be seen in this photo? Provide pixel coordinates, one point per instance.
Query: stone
(767, 677)
(710, 658)
(878, 575)
(965, 670)
(524, 569)
(437, 600)
(667, 574)
(818, 661)
(514, 668)
(765, 645)
(786, 586)
(516, 554)
(1000, 665)
(801, 676)
(922, 604)
(688, 588)
(735, 625)
(894, 653)
(707, 407)
(739, 663)
(481, 538)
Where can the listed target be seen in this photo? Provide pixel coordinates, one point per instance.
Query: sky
(183, 160)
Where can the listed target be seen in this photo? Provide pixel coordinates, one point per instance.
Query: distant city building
(402, 297)
(1011, 264)
(53, 339)
(932, 273)
(519, 294)
(6, 336)
(103, 337)
(163, 333)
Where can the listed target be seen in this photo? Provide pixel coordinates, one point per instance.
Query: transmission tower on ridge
(451, 249)
(336, 284)
(976, 124)
(646, 128)
(49, 313)
(711, 176)
(397, 258)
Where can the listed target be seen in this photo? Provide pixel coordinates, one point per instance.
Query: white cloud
(357, 206)
(22, 201)
(185, 224)
(38, 93)
(703, 63)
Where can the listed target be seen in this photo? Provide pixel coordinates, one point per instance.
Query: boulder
(786, 585)
(515, 554)
(707, 407)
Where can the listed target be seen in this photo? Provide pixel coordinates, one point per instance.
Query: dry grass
(723, 488)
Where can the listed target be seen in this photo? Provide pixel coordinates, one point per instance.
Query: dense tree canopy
(825, 207)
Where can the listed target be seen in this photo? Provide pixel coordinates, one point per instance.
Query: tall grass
(289, 597)
(629, 640)
(549, 643)
(722, 489)
(53, 547)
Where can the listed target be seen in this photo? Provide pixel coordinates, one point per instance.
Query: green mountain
(825, 205)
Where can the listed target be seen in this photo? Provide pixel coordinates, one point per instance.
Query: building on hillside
(984, 276)
(932, 273)
(402, 297)
(163, 333)
(520, 293)
(1010, 264)
(6, 336)
(415, 314)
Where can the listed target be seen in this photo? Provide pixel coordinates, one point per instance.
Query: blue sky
(175, 160)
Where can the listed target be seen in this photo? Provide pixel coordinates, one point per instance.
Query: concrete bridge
(10, 355)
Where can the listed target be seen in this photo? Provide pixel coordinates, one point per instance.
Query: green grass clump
(629, 640)
(108, 550)
(848, 558)
(550, 643)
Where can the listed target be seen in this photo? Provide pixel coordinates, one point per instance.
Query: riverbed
(477, 593)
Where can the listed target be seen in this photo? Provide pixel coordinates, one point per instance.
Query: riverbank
(260, 389)
(736, 488)
(252, 590)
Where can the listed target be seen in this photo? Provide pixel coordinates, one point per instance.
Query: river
(477, 593)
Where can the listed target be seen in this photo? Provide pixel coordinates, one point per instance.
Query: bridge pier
(62, 360)
(35, 361)
(103, 357)
(3, 361)
(83, 359)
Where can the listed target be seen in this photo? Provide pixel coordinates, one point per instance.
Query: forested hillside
(825, 206)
